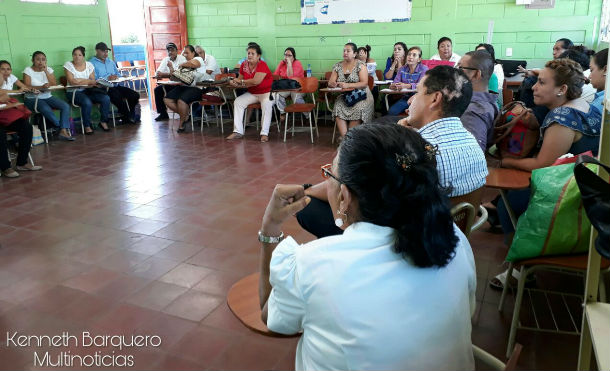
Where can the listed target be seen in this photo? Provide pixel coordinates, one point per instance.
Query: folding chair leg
(222, 127)
(44, 125)
(517, 310)
(315, 118)
(113, 119)
(30, 158)
(193, 120)
(310, 126)
(206, 121)
(286, 125)
(509, 274)
(293, 114)
(256, 119)
(82, 124)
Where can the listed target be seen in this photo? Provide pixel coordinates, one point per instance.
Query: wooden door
(165, 22)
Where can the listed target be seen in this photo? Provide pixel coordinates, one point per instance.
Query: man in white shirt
(211, 67)
(166, 68)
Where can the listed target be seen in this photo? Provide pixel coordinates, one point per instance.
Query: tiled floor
(142, 230)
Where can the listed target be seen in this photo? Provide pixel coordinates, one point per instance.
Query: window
(69, 2)
(604, 25)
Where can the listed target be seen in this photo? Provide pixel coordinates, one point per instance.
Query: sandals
(497, 283)
(264, 138)
(235, 136)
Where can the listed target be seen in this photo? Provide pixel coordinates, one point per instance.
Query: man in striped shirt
(442, 96)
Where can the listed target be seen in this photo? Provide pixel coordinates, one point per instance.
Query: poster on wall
(354, 11)
(541, 4)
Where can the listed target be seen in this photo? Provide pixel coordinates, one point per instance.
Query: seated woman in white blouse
(396, 290)
(81, 72)
(179, 99)
(40, 77)
(10, 80)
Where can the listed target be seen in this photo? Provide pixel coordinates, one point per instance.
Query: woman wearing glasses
(288, 68)
(400, 267)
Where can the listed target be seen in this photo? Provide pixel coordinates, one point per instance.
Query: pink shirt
(282, 68)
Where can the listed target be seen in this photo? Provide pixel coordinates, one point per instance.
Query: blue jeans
(399, 107)
(85, 99)
(45, 106)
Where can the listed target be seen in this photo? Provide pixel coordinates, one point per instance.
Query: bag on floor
(596, 198)
(516, 131)
(555, 222)
(36, 136)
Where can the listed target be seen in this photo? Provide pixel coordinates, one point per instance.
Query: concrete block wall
(52, 28)
(224, 28)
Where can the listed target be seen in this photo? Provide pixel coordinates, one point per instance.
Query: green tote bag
(555, 222)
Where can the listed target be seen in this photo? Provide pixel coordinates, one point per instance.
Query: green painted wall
(225, 27)
(55, 29)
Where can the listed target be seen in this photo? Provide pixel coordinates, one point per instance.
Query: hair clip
(431, 151)
(404, 161)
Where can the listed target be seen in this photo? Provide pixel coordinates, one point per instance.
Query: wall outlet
(509, 52)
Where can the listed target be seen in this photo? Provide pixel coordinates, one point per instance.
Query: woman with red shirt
(288, 68)
(255, 75)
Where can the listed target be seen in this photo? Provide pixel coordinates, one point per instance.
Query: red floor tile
(193, 305)
(152, 238)
(157, 295)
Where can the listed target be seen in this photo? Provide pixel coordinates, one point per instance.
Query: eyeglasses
(468, 68)
(326, 172)
(287, 55)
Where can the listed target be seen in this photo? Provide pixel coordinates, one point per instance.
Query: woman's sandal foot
(264, 138)
(182, 128)
(234, 136)
(498, 281)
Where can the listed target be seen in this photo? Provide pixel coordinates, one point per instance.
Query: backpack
(516, 131)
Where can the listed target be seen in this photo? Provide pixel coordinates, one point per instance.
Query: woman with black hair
(498, 70)
(80, 72)
(364, 55)
(351, 74)
(396, 61)
(399, 281)
(179, 99)
(288, 68)
(255, 75)
(14, 119)
(38, 78)
(599, 70)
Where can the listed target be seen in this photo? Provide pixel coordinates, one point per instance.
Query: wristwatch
(266, 239)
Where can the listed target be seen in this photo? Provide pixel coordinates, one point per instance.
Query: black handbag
(595, 193)
(354, 97)
(285, 84)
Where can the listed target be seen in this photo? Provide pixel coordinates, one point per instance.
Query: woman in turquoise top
(571, 126)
